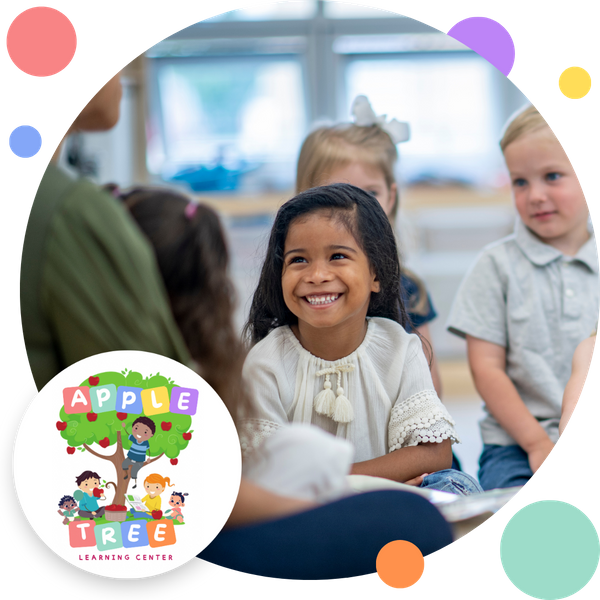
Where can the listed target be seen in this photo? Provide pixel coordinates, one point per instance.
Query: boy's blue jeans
(452, 481)
(135, 465)
(503, 467)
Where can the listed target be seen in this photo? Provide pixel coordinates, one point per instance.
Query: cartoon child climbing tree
(142, 430)
(102, 425)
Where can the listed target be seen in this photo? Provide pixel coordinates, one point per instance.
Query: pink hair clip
(114, 190)
(190, 210)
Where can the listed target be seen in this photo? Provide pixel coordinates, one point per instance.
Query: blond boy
(527, 303)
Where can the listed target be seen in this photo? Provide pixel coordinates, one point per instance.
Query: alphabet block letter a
(77, 400)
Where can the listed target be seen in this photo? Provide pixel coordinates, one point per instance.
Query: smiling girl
(330, 346)
(154, 485)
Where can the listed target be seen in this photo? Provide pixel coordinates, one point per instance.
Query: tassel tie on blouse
(326, 402)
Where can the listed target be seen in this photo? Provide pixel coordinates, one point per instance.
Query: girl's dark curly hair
(192, 257)
(364, 218)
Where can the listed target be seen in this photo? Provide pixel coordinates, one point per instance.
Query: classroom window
(448, 101)
(239, 120)
(342, 10)
(232, 98)
(305, 9)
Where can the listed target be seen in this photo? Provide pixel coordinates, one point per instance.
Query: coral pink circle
(41, 41)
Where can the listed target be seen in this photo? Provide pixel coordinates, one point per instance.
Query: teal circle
(549, 550)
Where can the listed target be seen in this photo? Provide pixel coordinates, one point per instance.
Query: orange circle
(400, 564)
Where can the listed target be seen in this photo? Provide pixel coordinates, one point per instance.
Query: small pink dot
(41, 41)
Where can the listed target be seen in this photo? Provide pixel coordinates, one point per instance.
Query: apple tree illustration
(103, 434)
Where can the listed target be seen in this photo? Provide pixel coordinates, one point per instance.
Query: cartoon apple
(165, 425)
(122, 416)
(156, 514)
(94, 380)
(92, 417)
(174, 461)
(187, 436)
(104, 442)
(61, 425)
(98, 492)
(70, 450)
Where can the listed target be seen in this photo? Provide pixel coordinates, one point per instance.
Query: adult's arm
(256, 504)
(579, 371)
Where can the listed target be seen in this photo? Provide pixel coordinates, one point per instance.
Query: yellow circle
(575, 82)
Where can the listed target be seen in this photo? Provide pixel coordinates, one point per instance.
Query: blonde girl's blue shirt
(412, 296)
(538, 304)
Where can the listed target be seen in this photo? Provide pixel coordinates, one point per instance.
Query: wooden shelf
(412, 200)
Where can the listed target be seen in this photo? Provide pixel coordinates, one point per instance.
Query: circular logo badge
(127, 464)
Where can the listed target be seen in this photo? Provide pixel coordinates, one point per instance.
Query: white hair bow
(365, 116)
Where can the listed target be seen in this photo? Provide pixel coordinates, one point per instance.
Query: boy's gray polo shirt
(537, 303)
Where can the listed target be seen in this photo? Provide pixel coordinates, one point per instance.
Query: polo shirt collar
(542, 254)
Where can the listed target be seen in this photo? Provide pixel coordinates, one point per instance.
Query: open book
(136, 503)
(454, 508)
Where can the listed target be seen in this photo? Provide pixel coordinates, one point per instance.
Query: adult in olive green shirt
(89, 279)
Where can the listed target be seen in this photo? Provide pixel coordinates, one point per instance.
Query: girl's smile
(322, 300)
(153, 489)
(327, 280)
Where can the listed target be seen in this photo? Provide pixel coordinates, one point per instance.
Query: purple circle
(490, 37)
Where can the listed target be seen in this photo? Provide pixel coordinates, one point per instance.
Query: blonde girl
(154, 485)
(364, 154)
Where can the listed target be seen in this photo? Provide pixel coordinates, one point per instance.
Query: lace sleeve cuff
(253, 432)
(420, 419)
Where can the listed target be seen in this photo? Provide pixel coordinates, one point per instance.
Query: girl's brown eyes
(300, 260)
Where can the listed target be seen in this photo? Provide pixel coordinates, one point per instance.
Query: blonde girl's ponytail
(156, 478)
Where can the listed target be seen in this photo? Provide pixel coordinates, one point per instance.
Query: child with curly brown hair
(192, 257)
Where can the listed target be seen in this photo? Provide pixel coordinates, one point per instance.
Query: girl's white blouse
(390, 389)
